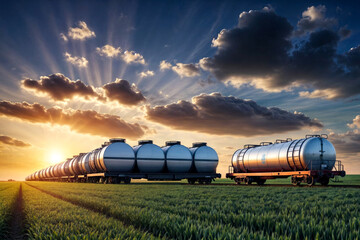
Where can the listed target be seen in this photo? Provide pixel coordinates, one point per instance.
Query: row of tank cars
(308, 160)
(116, 161)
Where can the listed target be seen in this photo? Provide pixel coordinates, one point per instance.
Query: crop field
(166, 210)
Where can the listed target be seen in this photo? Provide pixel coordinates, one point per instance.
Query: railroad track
(287, 185)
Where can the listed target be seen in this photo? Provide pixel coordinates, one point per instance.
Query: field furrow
(48, 217)
(8, 195)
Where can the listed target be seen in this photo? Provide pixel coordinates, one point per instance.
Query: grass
(50, 218)
(8, 194)
(179, 211)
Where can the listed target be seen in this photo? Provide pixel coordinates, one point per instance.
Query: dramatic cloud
(164, 65)
(314, 18)
(346, 143)
(147, 73)
(13, 142)
(186, 70)
(133, 57)
(88, 122)
(108, 51)
(59, 87)
(219, 115)
(80, 62)
(259, 51)
(355, 123)
(122, 92)
(257, 47)
(81, 32)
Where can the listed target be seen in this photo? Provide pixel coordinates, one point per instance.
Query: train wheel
(208, 181)
(324, 181)
(294, 181)
(310, 181)
(238, 181)
(248, 181)
(127, 180)
(191, 181)
(261, 181)
(201, 181)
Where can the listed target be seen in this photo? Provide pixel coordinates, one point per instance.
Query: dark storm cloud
(220, 115)
(13, 142)
(259, 51)
(257, 46)
(59, 87)
(122, 92)
(88, 122)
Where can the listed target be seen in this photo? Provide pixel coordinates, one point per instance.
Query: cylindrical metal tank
(205, 158)
(92, 161)
(115, 156)
(150, 158)
(85, 163)
(311, 153)
(178, 157)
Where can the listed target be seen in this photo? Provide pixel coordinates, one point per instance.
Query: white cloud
(147, 73)
(133, 57)
(81, 32)
(355, 123)
(64, 37)
(80, 62)
(186, 70)
(165, 65)
(323, 94)
(108, 51)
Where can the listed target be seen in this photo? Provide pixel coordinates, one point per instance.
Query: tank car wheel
(324, 181)
(248, 181)
(201, 181)
(191, 181)
(310, 181)
(238, 181)
(127, 180)
(208, 181)
(261, 181)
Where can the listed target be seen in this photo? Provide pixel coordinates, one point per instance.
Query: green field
(149, 210)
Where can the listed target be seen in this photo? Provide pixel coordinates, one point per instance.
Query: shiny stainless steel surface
(178, 158)
(314, 153)
(150, 158)
(85, 163)
(117, 157)
(205, 159)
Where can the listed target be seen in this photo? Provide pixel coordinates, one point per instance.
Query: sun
(55, 157)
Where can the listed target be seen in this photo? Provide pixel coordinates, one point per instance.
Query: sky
(75, 73)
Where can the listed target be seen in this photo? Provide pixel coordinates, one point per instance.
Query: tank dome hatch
(142, 142)
(114, 140)
(171, 143)
(198, 144)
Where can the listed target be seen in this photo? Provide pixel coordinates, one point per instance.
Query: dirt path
(17, 218)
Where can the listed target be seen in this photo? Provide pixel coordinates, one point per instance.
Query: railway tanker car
(311, 159)
(116, 161)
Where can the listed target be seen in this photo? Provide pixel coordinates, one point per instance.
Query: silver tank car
(178, 157)
(115, 156)
(150, 158)
(205, 158)
(311, 153)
